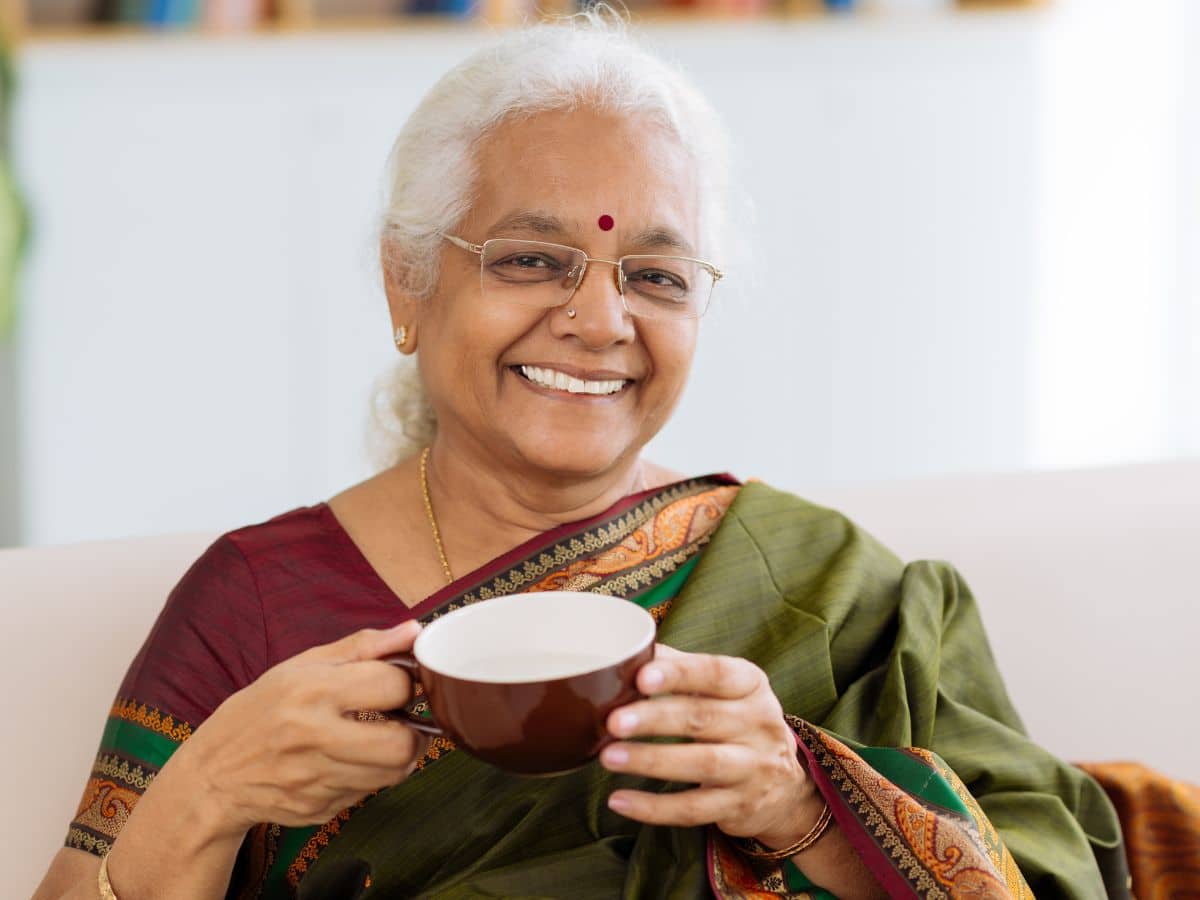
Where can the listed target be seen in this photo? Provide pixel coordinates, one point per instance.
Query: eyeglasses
(535, 273)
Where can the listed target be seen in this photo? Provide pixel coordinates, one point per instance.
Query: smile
(561, 381)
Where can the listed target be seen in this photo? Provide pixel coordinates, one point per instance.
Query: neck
(485, 506)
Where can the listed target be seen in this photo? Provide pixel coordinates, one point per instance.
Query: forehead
(580, 165)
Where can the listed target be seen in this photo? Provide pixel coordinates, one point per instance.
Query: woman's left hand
(743, 756)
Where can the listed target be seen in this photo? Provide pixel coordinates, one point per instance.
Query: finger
(382, 744)
(366, 779)
(699, 806)
(711, 765)
(367, 643)
(675, 672)
(368, 685)
(700, 718)
(362, 778)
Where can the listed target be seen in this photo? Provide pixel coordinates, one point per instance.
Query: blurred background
(970, 244)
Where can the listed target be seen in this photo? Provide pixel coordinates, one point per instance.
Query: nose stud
(571, 313)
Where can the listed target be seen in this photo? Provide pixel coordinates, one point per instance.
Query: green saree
(866, 655)
(874, 651)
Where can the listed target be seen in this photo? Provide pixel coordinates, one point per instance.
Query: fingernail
(615, 756)
(618, 803)
(626, 722)
(652, 677)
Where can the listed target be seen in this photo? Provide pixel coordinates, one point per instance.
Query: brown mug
(525, 682)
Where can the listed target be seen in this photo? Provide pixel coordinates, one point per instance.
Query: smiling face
(535, 388)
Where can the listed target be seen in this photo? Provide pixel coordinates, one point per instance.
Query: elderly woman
(552, 237)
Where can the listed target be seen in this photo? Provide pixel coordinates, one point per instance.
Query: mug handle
(408, 662)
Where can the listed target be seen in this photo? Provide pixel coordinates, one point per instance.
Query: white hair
(586, 60)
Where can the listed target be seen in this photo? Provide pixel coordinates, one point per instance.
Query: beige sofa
(1087, 581)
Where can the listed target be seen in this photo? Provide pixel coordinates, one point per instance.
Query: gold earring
(401, 337)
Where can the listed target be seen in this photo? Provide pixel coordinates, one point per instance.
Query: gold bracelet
(102, 882)
(753, 848)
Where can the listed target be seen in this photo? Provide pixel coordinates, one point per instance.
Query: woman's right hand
(286, 749)
(289, 749)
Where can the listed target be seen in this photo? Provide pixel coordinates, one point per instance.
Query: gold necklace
(437, 535)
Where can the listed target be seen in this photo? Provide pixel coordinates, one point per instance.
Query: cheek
(476, 334)
(671, 350)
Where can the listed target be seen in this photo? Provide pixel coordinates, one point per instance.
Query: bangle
(756, 850)
(102, 882)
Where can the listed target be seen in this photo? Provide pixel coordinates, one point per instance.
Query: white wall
(1107, 297)
(884, 331)
(202, 316)
(1185, 323)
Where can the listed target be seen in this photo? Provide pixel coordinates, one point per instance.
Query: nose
(601, 319)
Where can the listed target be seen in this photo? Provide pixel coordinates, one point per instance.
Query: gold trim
(316, 843)
(151, 718)
(79, 839)
(905, 834)
(115, 767)
(601, 536)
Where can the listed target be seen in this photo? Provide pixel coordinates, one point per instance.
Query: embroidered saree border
(907, 814)
(151, 719)
(642, 549)
(138, 739)
(733, 876)
(608, 549)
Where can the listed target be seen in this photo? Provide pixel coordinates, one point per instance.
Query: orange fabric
(1161, 822)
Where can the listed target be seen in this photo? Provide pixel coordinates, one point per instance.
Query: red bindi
(606, 222)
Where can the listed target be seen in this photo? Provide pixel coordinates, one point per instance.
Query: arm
(284, 750)
(206, 644)
(173, 845)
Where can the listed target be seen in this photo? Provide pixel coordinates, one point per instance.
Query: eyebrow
(659, 237)
(656, 237)
(531, 220)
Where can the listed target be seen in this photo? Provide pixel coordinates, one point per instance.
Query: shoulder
(212, 636)
(221, 594)
(805, 549)
(289, 532)
(781, 521)
(820, 554)
(237, 561)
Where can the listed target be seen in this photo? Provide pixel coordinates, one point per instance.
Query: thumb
(368, 643)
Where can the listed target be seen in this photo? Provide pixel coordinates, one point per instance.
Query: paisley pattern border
(914, 847)
(136, 738)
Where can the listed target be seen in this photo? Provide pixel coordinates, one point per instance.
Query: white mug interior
(534, 637)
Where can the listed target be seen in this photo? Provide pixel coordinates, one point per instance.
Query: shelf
(298, 19)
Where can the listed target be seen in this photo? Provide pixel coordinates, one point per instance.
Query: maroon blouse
(256, 597)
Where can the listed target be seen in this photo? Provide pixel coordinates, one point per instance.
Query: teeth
(561, 381)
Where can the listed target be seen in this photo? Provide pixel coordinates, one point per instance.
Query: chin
(574, 455)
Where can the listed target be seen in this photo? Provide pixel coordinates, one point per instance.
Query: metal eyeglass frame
(618, 275)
